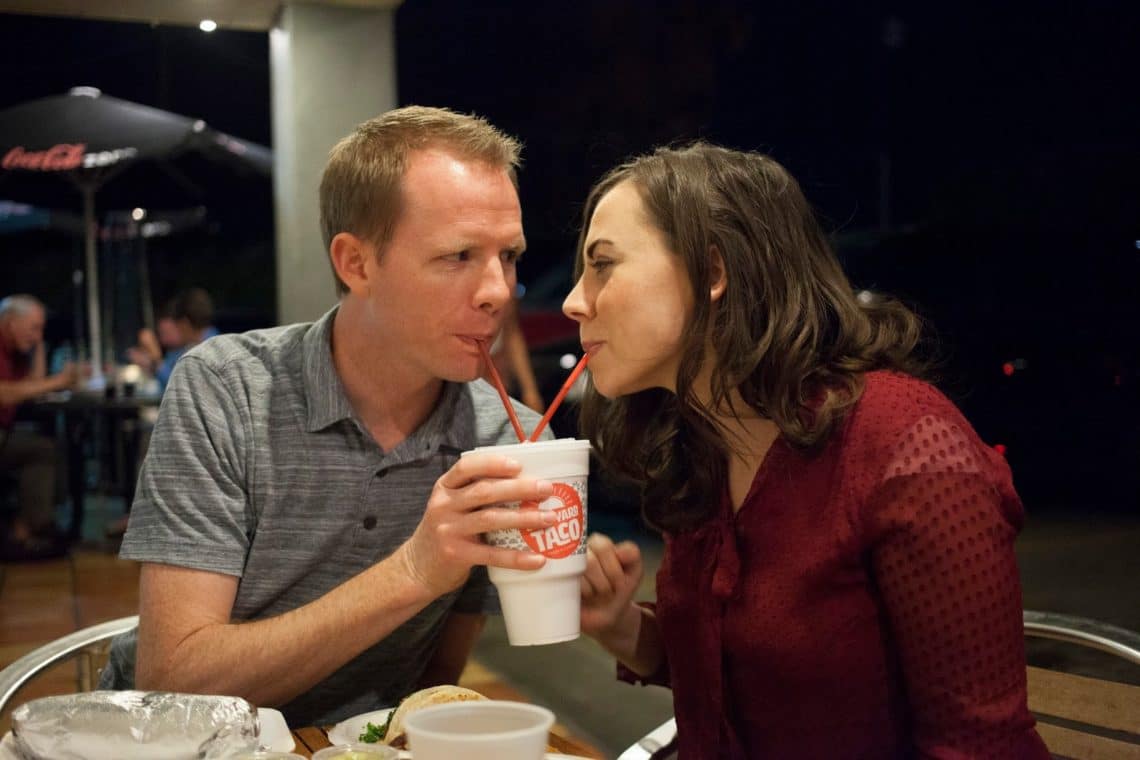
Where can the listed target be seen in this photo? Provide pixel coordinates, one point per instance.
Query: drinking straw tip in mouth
(566, 386)
(498, 383)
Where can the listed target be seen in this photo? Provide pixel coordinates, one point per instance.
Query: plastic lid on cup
(507, 449)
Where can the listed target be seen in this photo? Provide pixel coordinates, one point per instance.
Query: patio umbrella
(89, 138)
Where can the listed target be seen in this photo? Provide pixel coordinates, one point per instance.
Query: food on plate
(132, 725)
(374, 733)
(393, 734)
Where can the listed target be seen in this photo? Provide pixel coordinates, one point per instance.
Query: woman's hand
(613, 572)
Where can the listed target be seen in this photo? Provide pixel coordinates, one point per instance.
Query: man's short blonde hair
(360, 187)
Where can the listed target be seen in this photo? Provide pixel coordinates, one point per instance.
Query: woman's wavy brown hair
(789, 333)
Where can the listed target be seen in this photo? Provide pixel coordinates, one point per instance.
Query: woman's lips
(591, 346)
(475, 340)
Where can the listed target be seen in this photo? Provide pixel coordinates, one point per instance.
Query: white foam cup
(544, 606)
(479, 730)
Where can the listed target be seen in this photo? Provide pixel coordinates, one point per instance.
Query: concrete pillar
(331, 68)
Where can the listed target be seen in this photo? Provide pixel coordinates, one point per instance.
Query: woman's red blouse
(863, 602)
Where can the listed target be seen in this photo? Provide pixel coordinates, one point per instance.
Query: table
(82, 414)
(309, 740)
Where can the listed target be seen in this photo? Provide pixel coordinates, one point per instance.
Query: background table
(85, 418)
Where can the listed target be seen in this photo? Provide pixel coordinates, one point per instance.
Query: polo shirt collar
(451, 423)
(324, 394)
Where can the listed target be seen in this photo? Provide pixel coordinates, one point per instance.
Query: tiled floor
(45, 600)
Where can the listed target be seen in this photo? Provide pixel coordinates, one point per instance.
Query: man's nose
(496, 286)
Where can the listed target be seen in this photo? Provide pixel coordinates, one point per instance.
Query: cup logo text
(561, 539)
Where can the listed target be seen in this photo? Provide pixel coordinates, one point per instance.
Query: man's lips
(476, 339)
(591, 346)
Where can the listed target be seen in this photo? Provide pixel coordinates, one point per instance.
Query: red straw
(502, 392)
(561, 395)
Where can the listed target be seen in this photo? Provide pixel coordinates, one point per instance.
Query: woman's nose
(575, 305)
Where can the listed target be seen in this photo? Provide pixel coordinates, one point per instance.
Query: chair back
(1079, 716)
(89, 645)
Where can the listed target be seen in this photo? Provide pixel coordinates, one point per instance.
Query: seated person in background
(184, 323)
(307, 529)
(839, 577)
(31, 457)
(159, 347)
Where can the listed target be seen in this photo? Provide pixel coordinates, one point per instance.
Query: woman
(839, 577)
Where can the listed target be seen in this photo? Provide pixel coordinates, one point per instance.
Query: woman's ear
(348, 254)
(718, 274)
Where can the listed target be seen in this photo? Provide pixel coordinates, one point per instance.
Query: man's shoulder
(273, 347)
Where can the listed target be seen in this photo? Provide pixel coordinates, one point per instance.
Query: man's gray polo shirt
(259, 468)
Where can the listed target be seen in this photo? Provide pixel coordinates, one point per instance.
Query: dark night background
(980, 162)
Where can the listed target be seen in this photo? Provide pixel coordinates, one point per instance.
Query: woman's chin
(607, 390)
(616, 389)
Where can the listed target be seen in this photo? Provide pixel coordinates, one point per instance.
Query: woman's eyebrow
(590, 248)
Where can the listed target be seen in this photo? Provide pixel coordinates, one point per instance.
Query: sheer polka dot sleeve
(942, 523)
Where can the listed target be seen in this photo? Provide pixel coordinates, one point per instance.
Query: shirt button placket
(369, 522)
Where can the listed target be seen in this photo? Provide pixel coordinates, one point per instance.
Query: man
(31, 457)
(184, 323)
(306, 527)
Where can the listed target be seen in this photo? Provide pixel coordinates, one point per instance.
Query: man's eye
(460, 256)
(510, 257)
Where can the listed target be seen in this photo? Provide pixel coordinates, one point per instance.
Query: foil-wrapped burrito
(134, 725)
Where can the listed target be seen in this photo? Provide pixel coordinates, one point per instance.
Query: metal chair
(658, 744)
(1078, 716)
(88, 645)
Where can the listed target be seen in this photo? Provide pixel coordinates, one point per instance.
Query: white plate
(349, 730)
(275, 733)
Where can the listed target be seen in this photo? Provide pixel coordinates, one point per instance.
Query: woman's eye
(600, 265)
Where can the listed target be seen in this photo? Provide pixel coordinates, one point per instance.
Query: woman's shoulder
(893, 404)
(891, 398)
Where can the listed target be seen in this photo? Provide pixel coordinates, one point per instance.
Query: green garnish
(373, 733)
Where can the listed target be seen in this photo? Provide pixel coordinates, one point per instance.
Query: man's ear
(718, 274)
(349, 255)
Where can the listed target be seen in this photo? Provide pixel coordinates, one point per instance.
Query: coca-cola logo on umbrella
(63, 157)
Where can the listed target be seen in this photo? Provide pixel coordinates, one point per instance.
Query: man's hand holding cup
(448, 541)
